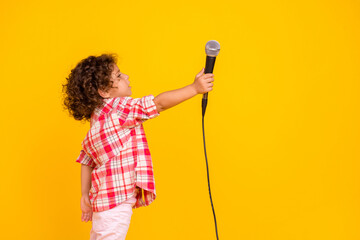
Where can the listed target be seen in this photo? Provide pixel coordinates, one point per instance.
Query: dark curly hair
(81, 95)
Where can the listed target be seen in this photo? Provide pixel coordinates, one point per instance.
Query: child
(116, 166)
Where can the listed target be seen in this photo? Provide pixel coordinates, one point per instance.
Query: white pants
(112, 224)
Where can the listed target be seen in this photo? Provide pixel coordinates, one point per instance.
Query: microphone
(212, 49)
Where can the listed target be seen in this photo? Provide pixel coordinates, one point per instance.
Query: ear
(103, 94)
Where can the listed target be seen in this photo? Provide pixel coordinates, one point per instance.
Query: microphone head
(212, 48)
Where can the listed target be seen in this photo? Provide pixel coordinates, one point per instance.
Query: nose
(127, 78)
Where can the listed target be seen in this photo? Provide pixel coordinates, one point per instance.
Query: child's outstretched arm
(202, 84)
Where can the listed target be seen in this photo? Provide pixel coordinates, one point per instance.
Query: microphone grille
(212, 48)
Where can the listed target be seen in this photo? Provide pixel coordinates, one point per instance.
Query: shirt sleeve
(85, 159)
(134, 111)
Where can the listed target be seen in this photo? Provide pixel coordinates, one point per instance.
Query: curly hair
(81, 90)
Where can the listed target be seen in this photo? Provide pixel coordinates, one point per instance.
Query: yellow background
(282, 124)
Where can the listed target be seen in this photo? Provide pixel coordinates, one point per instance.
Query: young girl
(116, 166)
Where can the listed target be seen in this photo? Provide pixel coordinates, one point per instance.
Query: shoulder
(144, 101)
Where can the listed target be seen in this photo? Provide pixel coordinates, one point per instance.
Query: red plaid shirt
(117, 148)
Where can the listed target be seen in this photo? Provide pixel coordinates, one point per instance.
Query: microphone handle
(210, 62)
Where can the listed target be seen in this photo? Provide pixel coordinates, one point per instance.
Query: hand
(203, 82)
(86, 208)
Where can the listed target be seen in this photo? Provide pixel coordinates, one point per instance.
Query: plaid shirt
(117, 148)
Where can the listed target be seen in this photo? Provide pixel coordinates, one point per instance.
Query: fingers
(210, 85)
(208, 75)
(86, 216)
(200, 73)
(204, 82)
(86, 211)
(208, 82)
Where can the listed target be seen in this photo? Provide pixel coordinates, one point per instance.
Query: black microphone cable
(204, 103)
(212, 49)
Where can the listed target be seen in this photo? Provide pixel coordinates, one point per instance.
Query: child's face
(120, 85)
